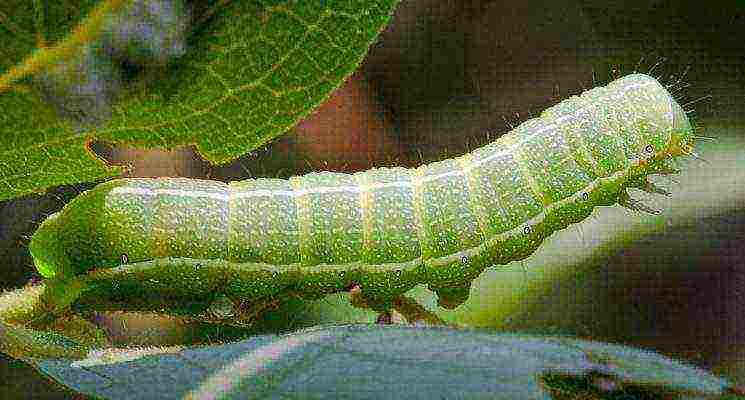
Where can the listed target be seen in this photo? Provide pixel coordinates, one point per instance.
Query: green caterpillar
(384, 230)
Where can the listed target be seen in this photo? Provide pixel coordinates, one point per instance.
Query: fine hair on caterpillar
(381, 231)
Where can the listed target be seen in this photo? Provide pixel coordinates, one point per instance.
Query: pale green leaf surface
(368, 361)
(252, 70)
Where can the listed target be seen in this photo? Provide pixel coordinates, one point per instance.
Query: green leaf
(368, 361)
(253, 68)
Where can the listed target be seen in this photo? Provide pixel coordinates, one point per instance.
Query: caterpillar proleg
(384, 230)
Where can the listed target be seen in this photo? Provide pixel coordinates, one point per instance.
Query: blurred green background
(448, 76)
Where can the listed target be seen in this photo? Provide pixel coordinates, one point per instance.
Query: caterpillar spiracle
(385, 230)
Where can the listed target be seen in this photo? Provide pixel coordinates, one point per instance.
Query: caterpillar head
(672, 135)
(658, 119)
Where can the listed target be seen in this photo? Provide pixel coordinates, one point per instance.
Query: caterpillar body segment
(384, 230)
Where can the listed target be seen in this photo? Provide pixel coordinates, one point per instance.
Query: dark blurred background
(448, 76)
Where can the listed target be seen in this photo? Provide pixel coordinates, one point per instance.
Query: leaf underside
(368, 361)
(252, 70)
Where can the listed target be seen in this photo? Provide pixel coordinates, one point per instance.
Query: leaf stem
(20, 305)
(415, 312)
